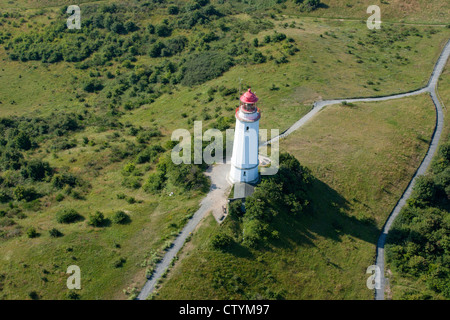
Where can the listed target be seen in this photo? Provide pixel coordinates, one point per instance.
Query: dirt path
(216, 197)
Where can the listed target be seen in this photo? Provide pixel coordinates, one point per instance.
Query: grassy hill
(99, 105)
(324, 252)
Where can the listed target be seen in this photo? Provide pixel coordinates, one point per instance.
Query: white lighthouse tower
(245, 161)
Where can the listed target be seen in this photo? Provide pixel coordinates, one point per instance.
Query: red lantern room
(248, 101)
(247, 111)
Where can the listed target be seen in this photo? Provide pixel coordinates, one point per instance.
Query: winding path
(218, 190)
(220, 186)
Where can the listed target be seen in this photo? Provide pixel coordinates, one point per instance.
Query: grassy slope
(413, 11)
(44, 90)
(356, 154)
(319, 71)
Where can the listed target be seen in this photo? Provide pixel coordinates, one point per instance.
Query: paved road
(219, 184)
(219, 188)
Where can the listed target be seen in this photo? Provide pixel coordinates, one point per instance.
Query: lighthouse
(244, 160)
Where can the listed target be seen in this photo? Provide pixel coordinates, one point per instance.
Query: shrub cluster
(68, 216)
(284, 192)
(419, 244)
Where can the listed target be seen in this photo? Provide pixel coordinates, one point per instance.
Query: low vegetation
(418, 246)
(417, 250)
(87, 115)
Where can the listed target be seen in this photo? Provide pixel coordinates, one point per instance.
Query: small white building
(245, 161)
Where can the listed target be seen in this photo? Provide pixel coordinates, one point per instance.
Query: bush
(64, 179)
(187, 176)
(132, 182)
(121, 196)
(4, 196)
(33, 295)
(205, 66)
(221, 242)
(119, 263)
(55, 233)
(23, 141)
(308, 5)
(68, 216)
(120, 217)
(163, 30)
(131, 200)
(31, 232)
(72, 295)
(173, 10)
(424, 190)
(97, 219)
(235, 209)
(145, 136)
(258, 57)
(93, 85)
(253, 232)
(38, 170)
(155, 182)
(25, 193)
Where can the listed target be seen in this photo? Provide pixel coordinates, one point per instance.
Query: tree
(97, 219)
(23, 141)
(257, 208)
(163, 30)
(93, 85)
(155, 182)
(38, 170)
(235, 209)
(173, 10)
(68, 216)
(151, 28)
(118, 27)
(120, 217)
(55, 233)
(424, 190)
(25, 193)
(254, 231)
(4, 196)
(308, 5)
(221, 241)
(130, 26)
(156, 49)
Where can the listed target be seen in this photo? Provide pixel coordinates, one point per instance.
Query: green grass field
(346, 148)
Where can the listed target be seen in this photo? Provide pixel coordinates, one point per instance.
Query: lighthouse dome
(249, 97)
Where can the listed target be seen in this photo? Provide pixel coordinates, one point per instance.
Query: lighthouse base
(250, 175)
